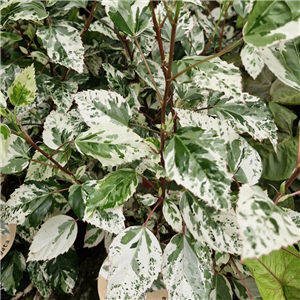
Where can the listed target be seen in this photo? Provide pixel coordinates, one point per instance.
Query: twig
(152, 211)
(43, 163)
(58, 191)
(144, 127)
(62, 145)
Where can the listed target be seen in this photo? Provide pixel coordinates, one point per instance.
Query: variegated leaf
(111, 144)
(63, 45)
(5, 141)
(264, 227)
(221, 288)
(147, 199)
(218, 229)
(22, 10)
(195, 159)
(22, 91)
(113, 190)
(135, 261)
(99, 26)
(55, 237)
(252, 60)
(295, 217)
(187, 269)
(172, 215)
(93, 236)
(17, 158)
(102, 106)
(58, 130)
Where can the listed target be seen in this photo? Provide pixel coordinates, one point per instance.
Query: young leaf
(195, 159)
(135, 261)
(5, 140)
(103, 106)
(187, 269)
(172, 215)
(252, 60)
(216, 228)
(63, 45)
(114, 189)
(58, 130)
(17, 158)
(55, 237)
(12, 268)
(93, 236)
(277, 275)
(22, 91)
(111, 144)
(264, 227)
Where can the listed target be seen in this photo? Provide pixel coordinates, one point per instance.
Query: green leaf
(264, 227)
(62, 271)
(17, 158)
(22, 10)
(277, 275)
(135, 260)
(266, 26)
(22, 91)
(5, 140)
(114, 189)
(222, 289)
(187, 269)
(172, 215)
(63, 44)
(284, 94)
(218, 229)
(77, 199)
(30, 203)
(93, 236)
(252, 60)
(55, 237)
(111, 144)
(12, 268)
(99, 106)
(195, 159)
(58, 130)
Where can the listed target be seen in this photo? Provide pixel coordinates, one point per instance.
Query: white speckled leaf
(295, 216)
(102, 106)
(58, 129)
(196, 159)
(101, 28)
(55, 237)
(187, 269)
(17, 158)
(252, 60)
(172, 215)
(93, 236)
(218, 229)
(63, 44)
(147, 199)
(5, 140)
(135, 260)
(22, 91)
(264, 227)
(111, 144)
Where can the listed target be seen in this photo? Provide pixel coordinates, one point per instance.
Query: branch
(152, 211)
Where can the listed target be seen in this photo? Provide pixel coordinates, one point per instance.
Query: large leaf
(135, 261)
(63, 45)
(12, 268)
(30, 203)
(218, 229)
(111, 144)
(55, 237)
(284, 94)
(22, 91)
(195, 159)
(114, 189)
(102, 106)
(58, 130)
(187, 269)
(23, 10)
(17, 158)
(277, 274)
(5, 140)
(264, 227)
(272, 22)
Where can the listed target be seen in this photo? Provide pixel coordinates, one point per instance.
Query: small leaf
(17, 158)
(22, 91)
(12, 268)
(135, 261)
(222, 289)
(93, 236)
(277, 275)
(187, 269)
(114, 189)
(5, 140)
(146, 199)
(252, 61)
(63, 45)
(263, 226)
(77, 199)
(172, 215)
(55, 237)
(104, 29)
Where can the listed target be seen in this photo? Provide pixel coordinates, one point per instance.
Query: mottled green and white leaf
(5, 140)
(146, 199)
(99, 26)
(221, 288)
(93, 236)
(252, 60)
(55, 237)
(172, 215)
(264, 227)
